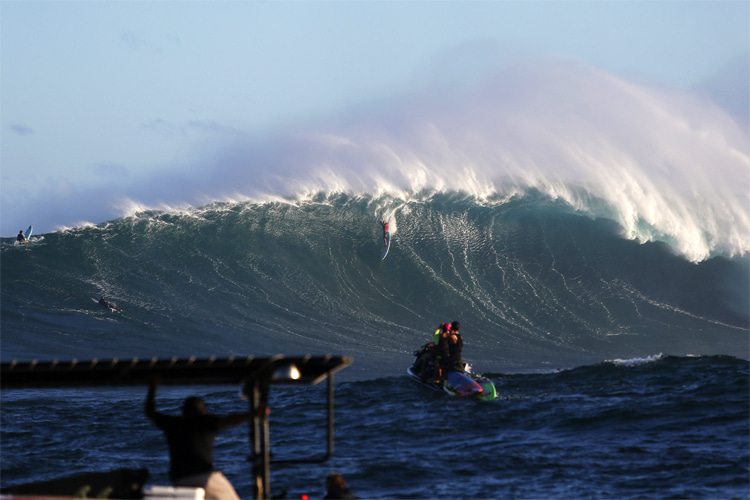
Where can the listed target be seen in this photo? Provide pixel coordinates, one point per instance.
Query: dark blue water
(621, 367)
(667, 427)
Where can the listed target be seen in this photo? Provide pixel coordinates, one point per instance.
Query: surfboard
(462, 384)
(387, 245)
(27, 233)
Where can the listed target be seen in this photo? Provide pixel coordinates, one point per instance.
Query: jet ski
(458, 382)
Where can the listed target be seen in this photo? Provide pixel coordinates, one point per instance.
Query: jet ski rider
(443, 328)
(427, 364)
(449, 349)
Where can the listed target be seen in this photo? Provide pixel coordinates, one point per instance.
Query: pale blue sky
(97, 96)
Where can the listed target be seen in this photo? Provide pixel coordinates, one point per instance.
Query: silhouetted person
(191, 442)
(336, 487)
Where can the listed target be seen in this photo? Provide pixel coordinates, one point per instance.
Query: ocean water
(621, 365)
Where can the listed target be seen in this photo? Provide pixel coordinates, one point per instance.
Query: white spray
(664, 163)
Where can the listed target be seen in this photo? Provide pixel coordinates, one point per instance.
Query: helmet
(446, 327)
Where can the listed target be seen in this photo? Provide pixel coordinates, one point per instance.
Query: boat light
(286, 373)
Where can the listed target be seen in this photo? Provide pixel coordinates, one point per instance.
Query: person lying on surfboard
(385, 231)
(108, 305)
(21, 238)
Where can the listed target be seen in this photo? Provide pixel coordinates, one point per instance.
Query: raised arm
(234, 419)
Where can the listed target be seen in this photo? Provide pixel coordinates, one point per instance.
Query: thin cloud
(211, 126)
(165, 128)
(156, 44)
(21, 129)
(109, 170)
(130, 39)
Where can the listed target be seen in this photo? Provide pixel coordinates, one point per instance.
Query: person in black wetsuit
(456, 347)
(427, 365)
(191, 441)
(21, 238)
(449, 349)
(108, 305)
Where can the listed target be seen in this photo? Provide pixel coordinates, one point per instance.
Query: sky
(106, 105)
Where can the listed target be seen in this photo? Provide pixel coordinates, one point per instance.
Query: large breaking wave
(534, 282)
(665, 164)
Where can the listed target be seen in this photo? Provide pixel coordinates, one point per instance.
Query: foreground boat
(254, 375)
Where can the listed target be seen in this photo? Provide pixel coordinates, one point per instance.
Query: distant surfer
(385, 231)
(105, 303)
(21, 238)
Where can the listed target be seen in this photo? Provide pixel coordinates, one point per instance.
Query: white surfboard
(387, 245)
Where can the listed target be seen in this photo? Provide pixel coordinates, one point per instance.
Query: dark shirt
(455, 349)
(339, 493)
(449, 349)
(20, 237)
(191, 443)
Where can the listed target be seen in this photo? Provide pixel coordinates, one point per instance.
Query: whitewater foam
(637, 361)
(663, 163)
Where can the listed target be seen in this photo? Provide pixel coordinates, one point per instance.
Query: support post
(259, 438)
(330, 416)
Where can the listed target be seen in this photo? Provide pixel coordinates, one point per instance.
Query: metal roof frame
(255, 375)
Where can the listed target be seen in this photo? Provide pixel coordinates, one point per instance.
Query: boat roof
(172, 371)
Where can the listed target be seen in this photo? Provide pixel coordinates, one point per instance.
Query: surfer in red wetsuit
(385, 231)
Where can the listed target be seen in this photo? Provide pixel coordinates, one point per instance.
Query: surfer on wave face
(385, 231)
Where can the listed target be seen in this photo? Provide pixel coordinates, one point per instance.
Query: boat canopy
(255, 375)
(307, 370)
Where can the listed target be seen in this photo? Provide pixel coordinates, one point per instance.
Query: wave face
(534, 283)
